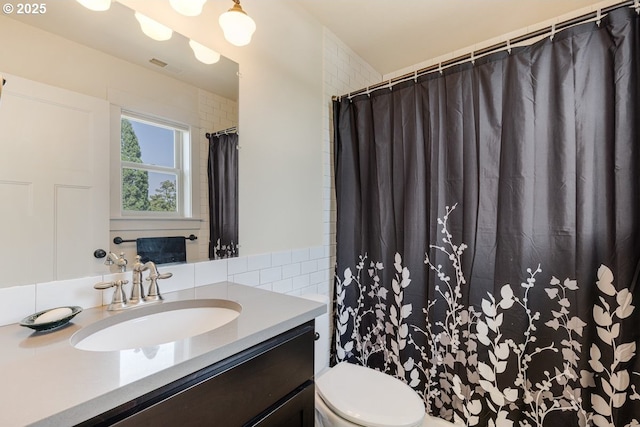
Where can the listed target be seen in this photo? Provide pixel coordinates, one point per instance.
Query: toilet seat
(369, 398)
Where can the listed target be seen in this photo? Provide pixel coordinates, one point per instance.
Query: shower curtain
(222, 171)
(487, 232)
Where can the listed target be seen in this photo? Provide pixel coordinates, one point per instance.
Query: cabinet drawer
(296, 410)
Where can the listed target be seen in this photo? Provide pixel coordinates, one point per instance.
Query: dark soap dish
(53, 318)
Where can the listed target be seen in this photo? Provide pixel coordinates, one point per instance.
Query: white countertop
(47, 382)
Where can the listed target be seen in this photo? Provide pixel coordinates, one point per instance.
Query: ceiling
(391, 35)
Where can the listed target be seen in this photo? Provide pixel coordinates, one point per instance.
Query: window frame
(181, 149)
(189, 218)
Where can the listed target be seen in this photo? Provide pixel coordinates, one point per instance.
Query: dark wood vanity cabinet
(268, 385)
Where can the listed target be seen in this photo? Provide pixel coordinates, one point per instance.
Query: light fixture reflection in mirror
(187, 7)
(238, 27)
(203, 53)
(153, 29)
(96, 5)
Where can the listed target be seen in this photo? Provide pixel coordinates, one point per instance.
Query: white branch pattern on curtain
(462, 372)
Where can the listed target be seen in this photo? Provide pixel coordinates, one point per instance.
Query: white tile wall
(59, 293)
(300, 255)
(17, 302)
(183, 277)
(344, 71)
(259, 262)
(237, 265)
(210, 272)
(266, 271)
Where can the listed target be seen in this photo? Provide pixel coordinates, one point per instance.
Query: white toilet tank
(321, 349)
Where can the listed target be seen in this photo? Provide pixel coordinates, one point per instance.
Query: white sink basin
(155, 324)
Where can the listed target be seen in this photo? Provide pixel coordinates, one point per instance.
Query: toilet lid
(368, 397)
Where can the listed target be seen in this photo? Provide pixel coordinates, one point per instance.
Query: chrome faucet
(119, 300)
(137, 291)
(121, 262)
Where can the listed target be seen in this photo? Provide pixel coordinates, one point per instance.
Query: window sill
(147, 223)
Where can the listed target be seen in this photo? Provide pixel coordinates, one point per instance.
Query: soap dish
(55, 321)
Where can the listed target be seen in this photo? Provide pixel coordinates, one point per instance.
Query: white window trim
(190, 218)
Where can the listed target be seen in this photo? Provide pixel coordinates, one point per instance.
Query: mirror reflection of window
(153, 156)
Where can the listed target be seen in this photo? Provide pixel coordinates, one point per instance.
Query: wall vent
(165, 66)
(157, 62)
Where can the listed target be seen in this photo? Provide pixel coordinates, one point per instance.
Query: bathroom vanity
(269, 384)
(254, 370)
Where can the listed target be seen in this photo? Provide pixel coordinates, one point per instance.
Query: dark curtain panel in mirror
(223, 195)
(488, 232)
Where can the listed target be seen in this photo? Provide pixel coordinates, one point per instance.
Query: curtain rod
(232, 129)
(472, 56)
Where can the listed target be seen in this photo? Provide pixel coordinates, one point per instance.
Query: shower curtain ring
(553, 31)
(598, 17)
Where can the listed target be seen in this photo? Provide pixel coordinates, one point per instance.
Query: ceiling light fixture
(153, 29)
(237, 26)
(96, 5)
(187, 7)
(203, 53)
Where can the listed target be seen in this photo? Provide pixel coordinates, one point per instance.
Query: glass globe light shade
(237, 26)
(153, 29)
(203, 53)
(187, 7)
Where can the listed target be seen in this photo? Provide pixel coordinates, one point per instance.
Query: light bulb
(153, 29)
(203, 53)
(237, 26)
(187, 7)
(96, 5)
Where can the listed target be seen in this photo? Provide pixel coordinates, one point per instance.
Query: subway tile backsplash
(17, 302)
(59, 293)
(281, 272)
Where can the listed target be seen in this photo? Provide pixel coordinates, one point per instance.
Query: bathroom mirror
(92, 56)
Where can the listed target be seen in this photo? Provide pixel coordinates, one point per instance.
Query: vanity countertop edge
(47, 382)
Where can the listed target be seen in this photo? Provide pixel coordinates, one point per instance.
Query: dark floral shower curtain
(487, 232)
(223, 195)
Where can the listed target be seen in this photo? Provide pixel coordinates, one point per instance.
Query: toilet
(348, 395)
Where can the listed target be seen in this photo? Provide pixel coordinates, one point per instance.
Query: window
(152, 165)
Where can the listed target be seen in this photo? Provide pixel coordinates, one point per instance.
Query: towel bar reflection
(118, 240)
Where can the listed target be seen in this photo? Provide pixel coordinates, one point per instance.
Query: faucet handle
(107, 285)
(154, 291)
(119, 299)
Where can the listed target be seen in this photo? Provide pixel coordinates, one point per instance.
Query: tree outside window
(150, 156)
